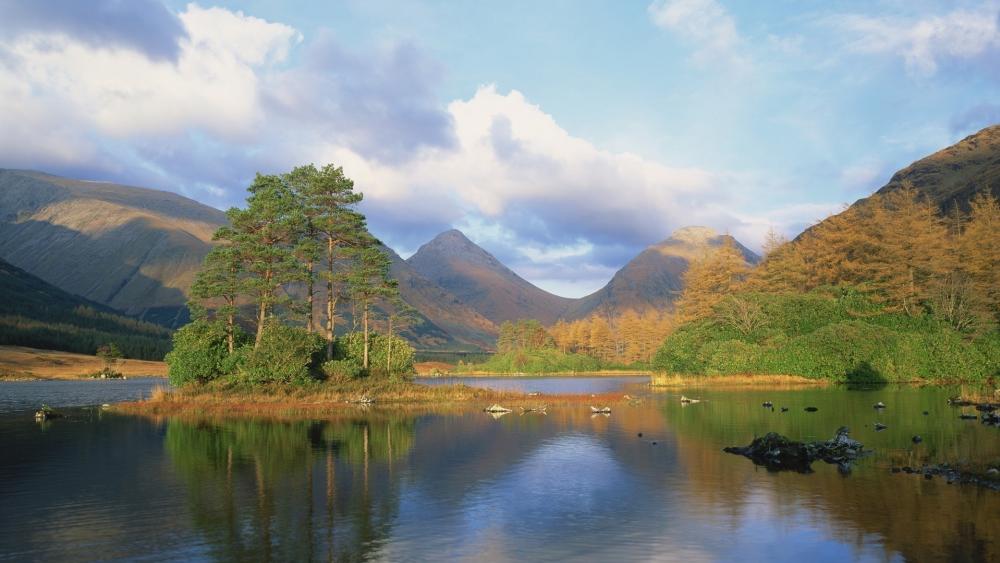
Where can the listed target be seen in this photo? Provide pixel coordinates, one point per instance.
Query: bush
(351, 347)
(285, 355)
(342, 369)
(201, 354)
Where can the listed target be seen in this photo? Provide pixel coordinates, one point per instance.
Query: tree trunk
(331, 302)
(261, 319)
(262, 312)
(388, 349)
(309, 298)
(364, 363)
(231, 325)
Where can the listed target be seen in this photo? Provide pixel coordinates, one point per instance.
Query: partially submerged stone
(778, 453)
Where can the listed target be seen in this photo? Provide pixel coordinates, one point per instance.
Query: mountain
(447, 322)
(480, 281)
(133, 249)
(952, 176)
(37, 314)
(137, 250)
(653, 279)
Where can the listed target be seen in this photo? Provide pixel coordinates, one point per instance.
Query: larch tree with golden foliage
(708, 280)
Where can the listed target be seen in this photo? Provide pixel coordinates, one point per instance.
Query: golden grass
(19, 362)
(594, 373)
(676, 380)
(337, 397)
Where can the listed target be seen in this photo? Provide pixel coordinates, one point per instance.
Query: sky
(562, 136)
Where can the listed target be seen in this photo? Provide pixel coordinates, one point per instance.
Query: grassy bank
(677, 380)
(324, 398)
(21, 363)
(545, 361)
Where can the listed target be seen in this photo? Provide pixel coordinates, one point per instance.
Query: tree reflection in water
(291, 490)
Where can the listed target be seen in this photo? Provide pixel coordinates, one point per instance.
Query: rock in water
(778, 453)
(811, 409)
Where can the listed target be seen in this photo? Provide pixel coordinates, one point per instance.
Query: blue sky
(563, 136)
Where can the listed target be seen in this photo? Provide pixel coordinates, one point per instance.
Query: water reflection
(379, 485)
(291, 491)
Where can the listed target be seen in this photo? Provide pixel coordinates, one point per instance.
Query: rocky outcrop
(779, 453)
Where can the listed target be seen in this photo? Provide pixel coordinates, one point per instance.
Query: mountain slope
(458, 325)
(133, 249)
(952, 176)
(35, 313)
(137, 250)
(480, 281)
(653, 279)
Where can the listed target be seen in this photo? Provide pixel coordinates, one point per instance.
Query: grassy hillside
(829, 334)
(133, 249)
(37, 314)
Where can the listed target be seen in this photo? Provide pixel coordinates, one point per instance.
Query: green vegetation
(886, 291)
(294, 226)
(833, 335)
(526, 346)
(36, 314)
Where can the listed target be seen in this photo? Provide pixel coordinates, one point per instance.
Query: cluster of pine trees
(299, 239)
(890, 288)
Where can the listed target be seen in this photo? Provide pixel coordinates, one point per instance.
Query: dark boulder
(779, 453)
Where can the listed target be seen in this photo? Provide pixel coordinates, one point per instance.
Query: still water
(381, 485)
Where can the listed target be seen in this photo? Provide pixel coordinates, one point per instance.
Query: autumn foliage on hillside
(890, 289)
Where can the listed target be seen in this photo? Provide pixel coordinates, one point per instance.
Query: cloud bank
(198, 101)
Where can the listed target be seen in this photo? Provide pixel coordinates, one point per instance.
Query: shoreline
(599, 373)
(21, 363)
(345, 398)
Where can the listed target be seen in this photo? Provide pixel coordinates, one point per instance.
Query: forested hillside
(34, 313)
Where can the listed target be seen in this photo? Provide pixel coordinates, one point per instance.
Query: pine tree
(220, 278)
(264, 235)
(328, 199)
(369, 281)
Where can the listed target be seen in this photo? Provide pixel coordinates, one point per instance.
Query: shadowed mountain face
(449, 323)
(653, 279)
(133, 249)
(952, 176)
(479, 280)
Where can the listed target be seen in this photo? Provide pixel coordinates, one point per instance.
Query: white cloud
(513, 163)
(121, 92)
(924, 43)
(704, 23)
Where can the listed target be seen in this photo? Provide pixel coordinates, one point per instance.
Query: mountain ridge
(478, 279)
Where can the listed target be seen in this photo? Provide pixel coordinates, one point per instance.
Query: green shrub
(285, 355)
(351, 347)
(342, 369)
(201, 353)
